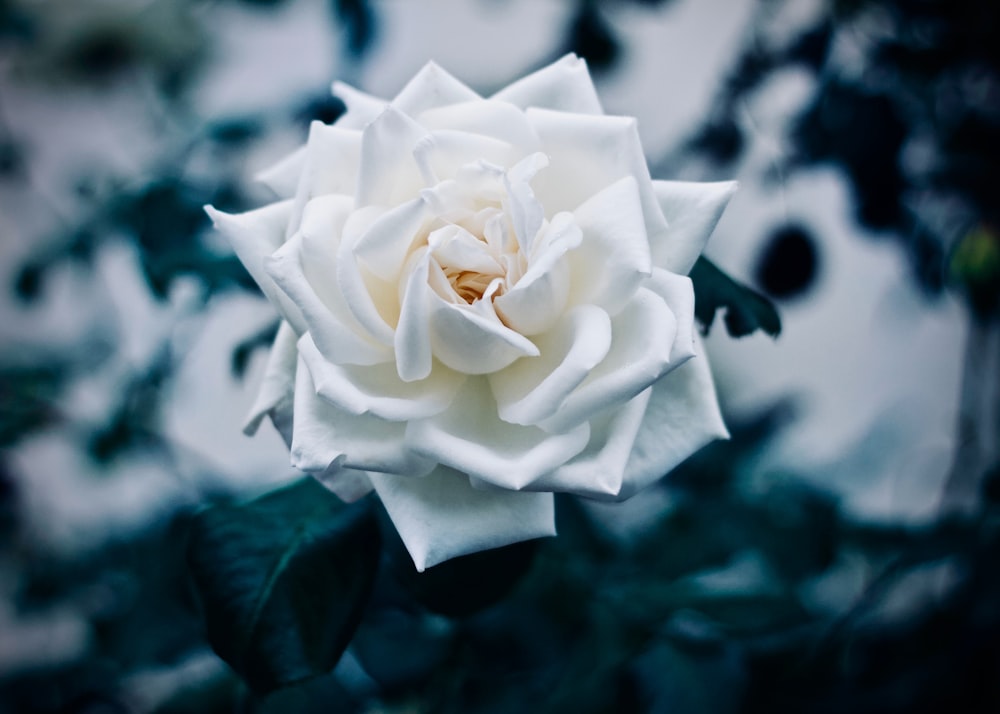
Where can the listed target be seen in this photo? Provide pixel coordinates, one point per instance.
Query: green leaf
(284, 580)
(746, 310)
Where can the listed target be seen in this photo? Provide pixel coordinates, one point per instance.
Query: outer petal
(282, 177)
(682, 416)
(499, 120)
(470, 437)
(388, 172)
(678, 292)
(564, 85)
(331, 166)
(532, 389)
(440, 516)
(255, 235)
(692, 209)
(362, 108)
(431, 87)
(613, 258)
(642, 338)
(304, 268)
(377, 389)
(588, 153)
(274, 398)
(324, 436)
(349, 485)
(599, 470)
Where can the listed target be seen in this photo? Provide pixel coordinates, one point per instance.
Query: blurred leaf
(590, 36)
(975, 266)
(746, 310)
(284, 580)
(29, 397)
(245, 349)
(463, 585)
(358, 22)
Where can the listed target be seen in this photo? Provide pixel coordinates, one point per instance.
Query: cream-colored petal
(389, 173)
(599, 470)
(613, 258)
(470, 437)
(587, 154)
(440, 516)
(431, 87)
(642, 336)
(342, 341)
(362, 108)
(564, 85)
(533, 388)
(275, 394)
(324, 435)
(677, 292)
(332, 163)
(377, 389)
(349, 485)
(383, 245)
(282, 177)
(692, 209)
(498, 120)
(682, 416)
(441, 154)
(255, 235)
(473, 341)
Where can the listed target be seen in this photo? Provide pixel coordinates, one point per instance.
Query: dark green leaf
(746, 310)
(284, 580)
(463, 585)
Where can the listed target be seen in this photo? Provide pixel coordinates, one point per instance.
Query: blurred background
(838, 553)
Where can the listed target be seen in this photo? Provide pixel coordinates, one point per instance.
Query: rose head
(485, 301)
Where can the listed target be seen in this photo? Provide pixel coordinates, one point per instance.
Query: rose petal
(373, 302)
(470, 341)
(598, 471)
(499, 120)
(587, 154)
(440, 516)
(564, 85)
(682, 416)
(532, 388)
(414, 356)
(362, 108)
(255, 235)
(678, 292)
(282, 177)
(333, 156)
(383, 245)
(274, 396)
(613, 258)
(442, 153)
(388, 173)
(377, 389)
(324, 435)
(692, 209)
(349, 485)
(470, 437)
(642, 336)
(540, 296)
(431, 87)
(303, 269)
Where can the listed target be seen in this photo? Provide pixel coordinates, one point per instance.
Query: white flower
(485, 301)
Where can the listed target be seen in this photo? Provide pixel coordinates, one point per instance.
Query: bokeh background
(839, 553)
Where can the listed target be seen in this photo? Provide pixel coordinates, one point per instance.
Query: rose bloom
(484, 301)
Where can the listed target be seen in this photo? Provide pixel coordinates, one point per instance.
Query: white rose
(485, 301)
